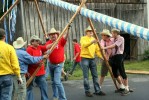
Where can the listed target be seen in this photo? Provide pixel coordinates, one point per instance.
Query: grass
(137, 65)
(129, 65)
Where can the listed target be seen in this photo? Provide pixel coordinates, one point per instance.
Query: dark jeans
(6, 87)
(86, 65)
(74, 66)
(117, 64)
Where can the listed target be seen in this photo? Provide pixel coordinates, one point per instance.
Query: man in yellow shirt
(89, 48)
(8, 67)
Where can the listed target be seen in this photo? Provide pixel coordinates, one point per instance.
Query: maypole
(113, 22)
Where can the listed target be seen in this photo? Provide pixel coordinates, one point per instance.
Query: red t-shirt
(36, 52)
(77, 49)
(57, 55)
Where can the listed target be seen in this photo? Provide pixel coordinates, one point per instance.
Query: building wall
(58, 18)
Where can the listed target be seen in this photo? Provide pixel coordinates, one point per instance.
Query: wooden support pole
(56, 42)
(15, 3)
(40, 18)
(148, 12)
(102, 52)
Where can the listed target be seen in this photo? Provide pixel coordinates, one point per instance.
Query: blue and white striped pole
(113, 22)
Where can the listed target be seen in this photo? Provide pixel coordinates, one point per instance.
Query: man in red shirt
(77, 58)
(56, 62)
(36, 50)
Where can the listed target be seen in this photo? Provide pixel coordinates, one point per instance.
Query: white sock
(127, 88)
(122, 86)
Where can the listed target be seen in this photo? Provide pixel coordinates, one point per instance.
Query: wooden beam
(15, 3)
(40, 18)
(137, 72)
(105, 1)
(102, 52)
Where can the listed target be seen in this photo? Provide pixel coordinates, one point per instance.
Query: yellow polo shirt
(8, 60)
(89, 50)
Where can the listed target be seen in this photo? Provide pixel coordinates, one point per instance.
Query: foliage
(146, 55)
(67, 65)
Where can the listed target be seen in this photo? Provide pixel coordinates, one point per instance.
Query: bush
(67, 65)
(146, 55)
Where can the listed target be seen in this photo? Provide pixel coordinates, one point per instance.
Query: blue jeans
(57, 86)
(47, 70)
(6, 87)
(19, 90)
(86, 65)
(74, 66)
(42, 84)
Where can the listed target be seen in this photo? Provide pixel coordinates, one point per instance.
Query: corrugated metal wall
(58, 18)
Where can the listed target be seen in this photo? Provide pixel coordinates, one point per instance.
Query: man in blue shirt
(24, 58)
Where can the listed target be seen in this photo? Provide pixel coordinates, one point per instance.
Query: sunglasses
(36, 40)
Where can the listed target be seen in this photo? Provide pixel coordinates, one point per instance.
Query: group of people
(18, 64)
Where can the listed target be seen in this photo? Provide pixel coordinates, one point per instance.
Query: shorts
(104, 69)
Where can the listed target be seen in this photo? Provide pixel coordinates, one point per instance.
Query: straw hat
(19, 43)
(52, 31)
(116, 30)
(35, 37)
(106, 32)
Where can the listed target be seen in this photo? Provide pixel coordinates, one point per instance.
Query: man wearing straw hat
(117, 61)
(106, 41)
(89, 48)
(37, 50)
(56, 60)
(24, 59)
(9, 66)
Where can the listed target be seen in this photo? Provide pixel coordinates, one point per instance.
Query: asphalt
(75, 91)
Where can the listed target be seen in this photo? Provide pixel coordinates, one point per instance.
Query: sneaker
(125, 92)
(119, 90)
(88, 94)
(101, 93)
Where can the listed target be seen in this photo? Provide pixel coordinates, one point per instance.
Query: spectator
(9, 66)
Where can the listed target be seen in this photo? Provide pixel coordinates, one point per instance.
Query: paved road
(74, 90)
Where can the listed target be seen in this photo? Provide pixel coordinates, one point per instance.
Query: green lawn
(129, 65)
(137, 65)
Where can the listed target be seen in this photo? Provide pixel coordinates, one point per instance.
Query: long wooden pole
(55, 43)
(148, 12)
(102, 52)
(40, 18)
(15, 3)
